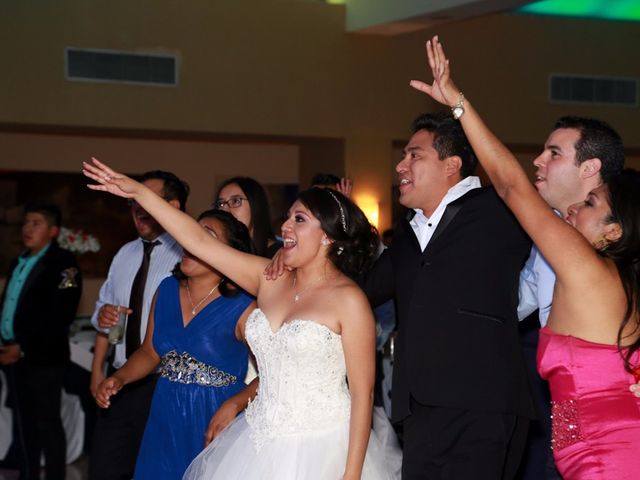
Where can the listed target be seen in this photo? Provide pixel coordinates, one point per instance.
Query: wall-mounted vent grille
(600, 90)
(120, 67)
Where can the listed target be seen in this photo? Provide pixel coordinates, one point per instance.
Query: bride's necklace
(195, 307)
(296, 296)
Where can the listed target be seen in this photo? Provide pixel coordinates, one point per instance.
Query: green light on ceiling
(604, 9)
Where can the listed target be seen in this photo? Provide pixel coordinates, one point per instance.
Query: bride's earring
(325, 241)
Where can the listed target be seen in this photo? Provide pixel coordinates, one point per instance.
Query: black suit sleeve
(378, 285)
(47, 310)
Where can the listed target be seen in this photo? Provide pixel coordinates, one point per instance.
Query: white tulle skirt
(310, 456)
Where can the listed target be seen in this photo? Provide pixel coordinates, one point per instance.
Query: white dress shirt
(424, 227)
(124, 266)
(537, 281)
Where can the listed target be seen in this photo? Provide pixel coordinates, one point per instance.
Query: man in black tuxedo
(460, 386)
(38, 304)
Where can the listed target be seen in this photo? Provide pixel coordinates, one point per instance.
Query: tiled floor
(75, 471)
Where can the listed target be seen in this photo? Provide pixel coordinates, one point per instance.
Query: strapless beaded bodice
(302, 379)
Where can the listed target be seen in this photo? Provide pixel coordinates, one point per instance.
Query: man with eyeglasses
(134, 275)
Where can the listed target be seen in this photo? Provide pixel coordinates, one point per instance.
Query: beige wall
(286, 73)
(285, 68)
(203, 164)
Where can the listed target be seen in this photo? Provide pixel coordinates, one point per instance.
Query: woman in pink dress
(589, 349)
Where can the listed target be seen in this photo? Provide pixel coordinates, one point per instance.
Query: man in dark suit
(38, 304)
(460, 386)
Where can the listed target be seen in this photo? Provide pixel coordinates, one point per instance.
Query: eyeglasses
(232, 202)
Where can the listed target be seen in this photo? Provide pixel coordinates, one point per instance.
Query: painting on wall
(94, 225)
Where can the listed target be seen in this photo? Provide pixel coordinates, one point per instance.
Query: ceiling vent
(593, 90)
(120, 67)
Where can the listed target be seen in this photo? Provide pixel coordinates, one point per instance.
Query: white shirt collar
(424, 227)
(454, 193)
(164, 238)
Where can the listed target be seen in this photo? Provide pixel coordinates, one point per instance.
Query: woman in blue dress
(193, 338)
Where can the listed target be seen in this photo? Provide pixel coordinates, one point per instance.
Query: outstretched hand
(442, 89)
(109, 180)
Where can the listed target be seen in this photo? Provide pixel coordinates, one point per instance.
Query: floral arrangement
(77, 241)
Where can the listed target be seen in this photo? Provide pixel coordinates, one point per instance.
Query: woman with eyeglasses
(246, 200)
(195, 337)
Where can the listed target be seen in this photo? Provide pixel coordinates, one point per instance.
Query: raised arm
(244, 269)
(546, 229)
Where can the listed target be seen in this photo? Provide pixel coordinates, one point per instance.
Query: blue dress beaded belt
(184, 368)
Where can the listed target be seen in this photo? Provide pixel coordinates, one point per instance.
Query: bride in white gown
(313, 332)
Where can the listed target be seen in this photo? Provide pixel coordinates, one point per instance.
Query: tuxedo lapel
(451, 211)
(449, 214)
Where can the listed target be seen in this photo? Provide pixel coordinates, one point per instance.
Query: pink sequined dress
(595, 418)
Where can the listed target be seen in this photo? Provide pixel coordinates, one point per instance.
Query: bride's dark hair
(355, 241)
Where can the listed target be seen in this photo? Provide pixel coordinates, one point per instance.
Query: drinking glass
(116, 333)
